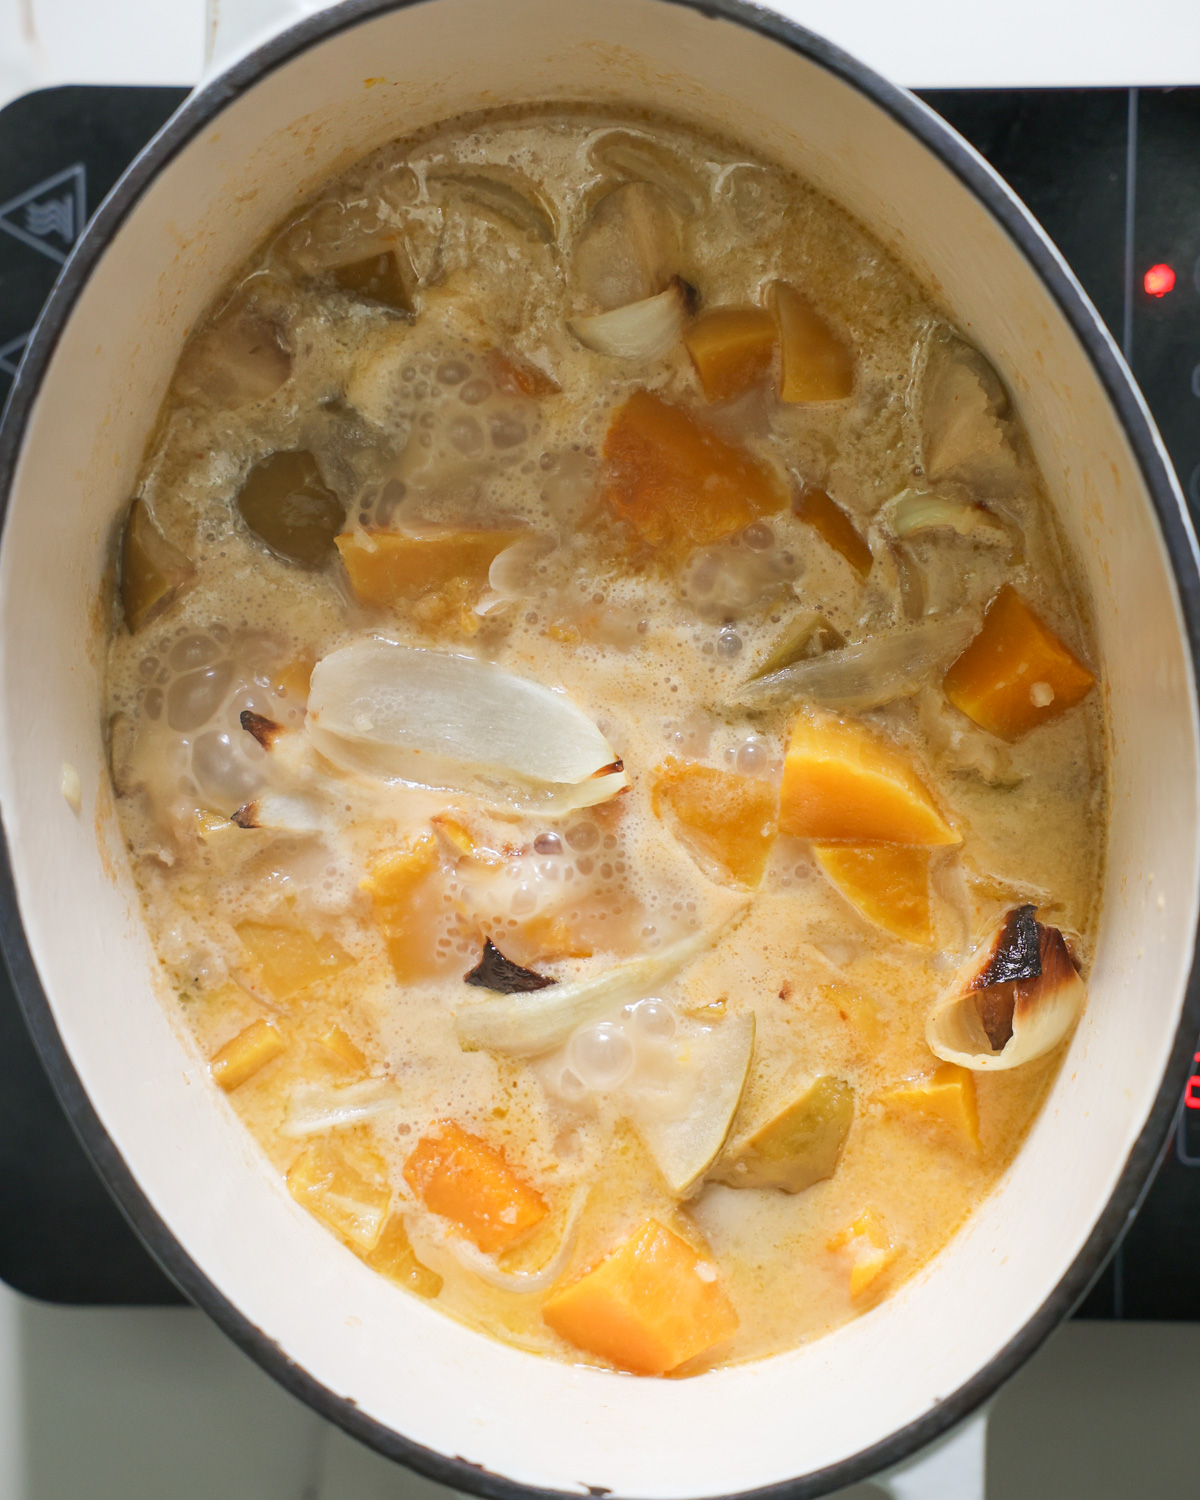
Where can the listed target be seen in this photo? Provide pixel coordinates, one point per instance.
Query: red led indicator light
(1159, 280)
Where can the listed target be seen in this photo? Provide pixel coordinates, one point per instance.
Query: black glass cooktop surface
(1112, 174)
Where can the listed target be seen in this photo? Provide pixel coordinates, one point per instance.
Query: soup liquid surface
(441, 387)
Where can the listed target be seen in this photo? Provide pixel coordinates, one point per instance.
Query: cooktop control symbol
(49, 217)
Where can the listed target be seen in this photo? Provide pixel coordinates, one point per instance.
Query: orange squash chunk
(830, 521)
(676, 484)
(946, 1097)
(290, 959)
(732, 349)
(293, 678)
(649, 1306)
(729, 820)
(387, 568)
(551, 937)
(470, 1183)
(888, 883)
(245, 1054)
(348, 1190)
(340, 1045)
(866, 1243)
(406, 906)
(842, 783)
(1016, 673)
(817, 365)
(520, 377)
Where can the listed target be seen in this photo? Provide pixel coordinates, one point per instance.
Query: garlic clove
(1012, 1001)
(640, 331)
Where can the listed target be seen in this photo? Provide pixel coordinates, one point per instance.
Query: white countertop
(922, 43)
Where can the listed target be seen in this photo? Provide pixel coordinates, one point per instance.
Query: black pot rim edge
(460, 1473)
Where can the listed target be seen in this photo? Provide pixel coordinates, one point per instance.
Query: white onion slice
(686, 1145)
(866, 673)
(399, 714)
(315, 1107)
(643, 331)
(524, 1025)
(488, 1268)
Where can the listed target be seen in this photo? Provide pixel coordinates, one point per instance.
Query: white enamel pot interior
(243, 153)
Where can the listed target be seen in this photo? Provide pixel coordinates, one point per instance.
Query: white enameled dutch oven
(241, 154)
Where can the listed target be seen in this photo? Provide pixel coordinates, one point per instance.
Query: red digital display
(1159, 280)
(1191, 1095)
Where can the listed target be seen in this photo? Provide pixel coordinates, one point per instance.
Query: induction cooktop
(1114, 177)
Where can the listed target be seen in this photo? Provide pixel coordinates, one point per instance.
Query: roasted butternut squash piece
(830, 521)
(339, 1045)
(387, 568)
(947, 1097)
(400, 886)
(676, 484)
(860, 1012)
(470, 1183)
(798, 1146)
(153, 570)
(245, 1054)
(649, 1306)
(842, 782)
(550, 937)
(394, 1257)
(290, 959)
(346, 1188)
(817, 364)
(888, 883)
(1016, 673)
(732, 349)
(293, 678)
(868, 1247)
(728, 820)
(520, 377)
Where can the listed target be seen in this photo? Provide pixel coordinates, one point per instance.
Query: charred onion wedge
(1013, 1000)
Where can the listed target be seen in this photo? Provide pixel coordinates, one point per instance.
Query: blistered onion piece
(866, 673)
(685, 1146)
(314, 1107)
(1028, 1016)
(642, 331)
(524, 1025)
(430, 719)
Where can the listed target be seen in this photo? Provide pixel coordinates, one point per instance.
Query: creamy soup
(607, 736)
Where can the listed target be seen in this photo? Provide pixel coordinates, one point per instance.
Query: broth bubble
(654, 1020)
(602, 1055)
(194, 698)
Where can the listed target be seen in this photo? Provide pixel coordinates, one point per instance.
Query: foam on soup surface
(607, 736)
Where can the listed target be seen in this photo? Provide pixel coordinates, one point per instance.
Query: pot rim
(202, 106)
